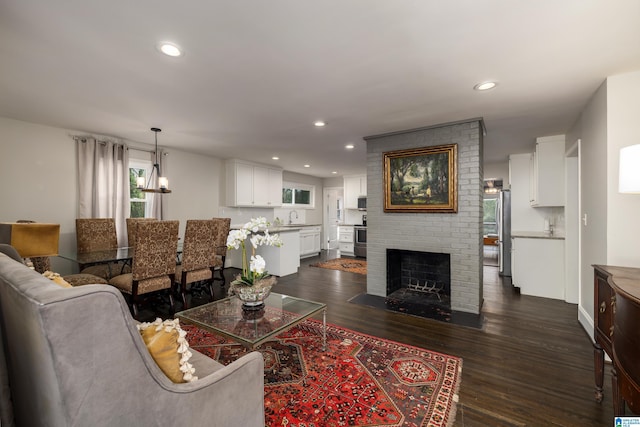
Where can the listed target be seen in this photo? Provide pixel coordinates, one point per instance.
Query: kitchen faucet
(290, 213)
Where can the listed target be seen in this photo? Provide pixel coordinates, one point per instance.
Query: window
(140, 206)
(298, 195)
(489, 218)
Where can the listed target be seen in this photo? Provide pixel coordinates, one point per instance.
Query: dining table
(110, 257)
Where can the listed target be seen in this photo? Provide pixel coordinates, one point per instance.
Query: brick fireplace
(458, 235)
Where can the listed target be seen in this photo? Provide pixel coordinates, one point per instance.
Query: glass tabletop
(106, 256)
(99, 257)
(228, 318)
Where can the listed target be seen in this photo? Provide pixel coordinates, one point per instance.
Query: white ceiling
(257, 74)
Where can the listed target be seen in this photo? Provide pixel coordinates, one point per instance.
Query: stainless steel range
(360, 241)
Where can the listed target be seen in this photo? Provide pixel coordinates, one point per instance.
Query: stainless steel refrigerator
(504, 232)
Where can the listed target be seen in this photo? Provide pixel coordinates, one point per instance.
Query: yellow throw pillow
(57, 279)
(169, 348)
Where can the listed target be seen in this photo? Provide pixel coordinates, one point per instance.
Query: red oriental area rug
(360, 380)
(344, 264)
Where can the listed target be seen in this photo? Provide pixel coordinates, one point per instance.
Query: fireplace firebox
(419, 279)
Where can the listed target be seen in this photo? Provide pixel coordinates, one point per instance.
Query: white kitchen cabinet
(538, 267)
(280, 261)
(524, 217)
(345, 238)
(547, 172)
(253, 185)
(354, 186)
(309, 241)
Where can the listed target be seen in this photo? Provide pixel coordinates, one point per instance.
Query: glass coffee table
(254, 327)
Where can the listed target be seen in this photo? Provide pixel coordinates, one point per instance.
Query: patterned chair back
(131, 228)
(222, 227)
(198, 249)
(96, 234)
(155, 253)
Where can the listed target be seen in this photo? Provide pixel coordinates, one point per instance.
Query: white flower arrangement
(257, 232)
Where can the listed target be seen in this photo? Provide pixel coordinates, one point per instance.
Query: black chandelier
(163, 181)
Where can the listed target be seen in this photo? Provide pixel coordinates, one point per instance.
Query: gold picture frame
(421, 180)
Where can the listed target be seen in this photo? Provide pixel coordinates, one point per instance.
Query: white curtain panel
(103, 181)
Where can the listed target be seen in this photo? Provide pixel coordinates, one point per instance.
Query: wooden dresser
(617, 332)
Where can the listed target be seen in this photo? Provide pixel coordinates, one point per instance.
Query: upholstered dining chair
(98, 234)
(222, 227)
(198, 255)
(43, 263)
(131, 228)
(154, 263)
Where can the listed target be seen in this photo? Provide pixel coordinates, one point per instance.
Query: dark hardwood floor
(531, 363)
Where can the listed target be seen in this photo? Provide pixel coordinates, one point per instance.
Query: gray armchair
(73, 356)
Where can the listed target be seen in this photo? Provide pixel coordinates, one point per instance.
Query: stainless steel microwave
(362, 203)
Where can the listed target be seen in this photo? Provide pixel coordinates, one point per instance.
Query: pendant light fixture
(163, 181)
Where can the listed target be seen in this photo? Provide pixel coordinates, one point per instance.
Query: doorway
(573, 266)
(333, 201)
(491, 222)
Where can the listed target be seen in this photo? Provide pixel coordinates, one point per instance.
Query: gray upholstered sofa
(74, 357)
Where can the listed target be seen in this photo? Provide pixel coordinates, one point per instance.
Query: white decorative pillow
(169, 348)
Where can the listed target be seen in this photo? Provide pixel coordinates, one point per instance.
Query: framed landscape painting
(421, 179)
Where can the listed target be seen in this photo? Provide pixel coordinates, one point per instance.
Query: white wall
(333, 182)
(38, 173)
(38, 176)
(623, 129)
(195, 182)
(608, 123)
(498, 171)
(592, 130)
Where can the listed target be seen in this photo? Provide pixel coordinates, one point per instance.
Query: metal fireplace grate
(428, 287)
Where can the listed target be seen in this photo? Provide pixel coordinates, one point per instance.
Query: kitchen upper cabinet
(547, 172)
(267, 186)
(354, 186)
(253, 185)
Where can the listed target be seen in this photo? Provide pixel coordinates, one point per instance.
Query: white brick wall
(458, 234)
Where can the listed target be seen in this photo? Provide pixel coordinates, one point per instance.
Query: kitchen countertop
(536, 235)
(279, 228)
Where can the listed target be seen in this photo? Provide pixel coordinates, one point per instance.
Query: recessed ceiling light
(275, 158)
(485, 86)
(334, 172)
(170, 49)
(307, 166)
(319, 123)
(349, 146)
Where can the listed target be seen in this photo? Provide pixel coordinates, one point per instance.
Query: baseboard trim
(585, 320)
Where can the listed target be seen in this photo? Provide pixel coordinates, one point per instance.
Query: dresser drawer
(603, 316)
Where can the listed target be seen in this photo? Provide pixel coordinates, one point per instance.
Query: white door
(333, 215)
(573, 229)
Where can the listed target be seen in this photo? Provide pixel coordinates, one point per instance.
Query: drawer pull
(603, 307)
(613, 304)
(611, 331)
